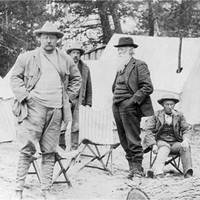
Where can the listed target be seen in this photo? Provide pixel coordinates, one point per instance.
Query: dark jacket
(155, 123)
(26, 72)
(85, 96)
(138, 81)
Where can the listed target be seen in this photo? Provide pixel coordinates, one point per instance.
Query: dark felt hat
(126, 42)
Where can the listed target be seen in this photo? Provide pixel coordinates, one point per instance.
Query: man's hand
(185, 144)
(155, 149)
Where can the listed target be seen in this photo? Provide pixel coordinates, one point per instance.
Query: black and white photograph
(99, 99)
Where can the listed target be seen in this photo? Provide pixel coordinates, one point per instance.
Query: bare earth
(96, 184)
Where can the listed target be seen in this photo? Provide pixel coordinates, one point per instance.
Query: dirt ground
(94, 184)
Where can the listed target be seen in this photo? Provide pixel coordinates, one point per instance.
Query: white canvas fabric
(7, 119)
(161, 56)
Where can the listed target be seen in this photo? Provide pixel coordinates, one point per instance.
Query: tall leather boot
(136, 170)
(22, 171)
(47, 166)
(24, 163)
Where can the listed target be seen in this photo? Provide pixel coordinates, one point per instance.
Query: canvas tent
(161, 55)
(7, 120)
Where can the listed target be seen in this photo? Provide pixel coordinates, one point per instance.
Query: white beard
(122, 61)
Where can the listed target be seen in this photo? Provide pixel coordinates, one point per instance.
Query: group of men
(167, 129)
(50, 85)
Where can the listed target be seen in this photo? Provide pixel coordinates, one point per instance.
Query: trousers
(39, 131)
(128, 126)
(74, 129)
(164, 149)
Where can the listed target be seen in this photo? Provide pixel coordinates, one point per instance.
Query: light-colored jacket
(155, 123)
(26, 72)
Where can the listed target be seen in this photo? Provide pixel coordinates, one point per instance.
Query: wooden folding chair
(174, 160)
(36, 169)
(62, 171)
(96, 137)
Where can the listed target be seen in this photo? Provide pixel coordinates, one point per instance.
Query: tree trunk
(105, 24)
(151, 18)
(113, 11)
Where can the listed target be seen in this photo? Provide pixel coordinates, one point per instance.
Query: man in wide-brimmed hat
(42, 103)
(84, 98)
(131, 100)
(170, 133)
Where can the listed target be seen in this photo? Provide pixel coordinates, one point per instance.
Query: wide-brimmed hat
(75, 46)
(49, 27)
(126, 42)
(168, 97)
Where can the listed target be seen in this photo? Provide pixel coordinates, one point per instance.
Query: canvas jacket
(26, 72)
(85, 96)
(138, 81)
(155, 123)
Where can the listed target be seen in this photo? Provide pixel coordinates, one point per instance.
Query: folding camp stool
(62, 171)
(95, 154)
(174, 159)
(36, 168)
(58, 159)
(96, 134)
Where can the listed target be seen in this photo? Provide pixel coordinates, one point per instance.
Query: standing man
(43, 81)
(85, 95)
(131, 89)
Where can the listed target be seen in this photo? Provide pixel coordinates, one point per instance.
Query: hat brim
(127, 45)
(81, 50)
(58, 34)
(160, 101)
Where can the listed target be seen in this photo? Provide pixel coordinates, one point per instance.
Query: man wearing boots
(85, 95)
(43, 81)
(131, 89)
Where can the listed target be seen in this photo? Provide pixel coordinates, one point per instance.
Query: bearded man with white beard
(131, 101)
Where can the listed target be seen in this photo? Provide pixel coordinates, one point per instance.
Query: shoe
(188, 174)
(135, 173)
(150, 173)
(17, 195)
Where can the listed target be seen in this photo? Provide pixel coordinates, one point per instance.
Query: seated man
(170, 133)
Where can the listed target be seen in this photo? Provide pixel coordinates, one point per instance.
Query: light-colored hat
(49, 27)
(168, 97)
(75, 46)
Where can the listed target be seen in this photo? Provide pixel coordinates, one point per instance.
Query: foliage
(91, 21)
(172, 18)
(17, 29)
